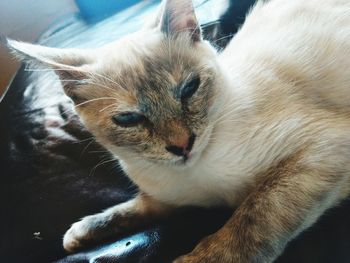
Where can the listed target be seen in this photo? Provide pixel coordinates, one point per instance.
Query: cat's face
(160, 100)
(149, 95)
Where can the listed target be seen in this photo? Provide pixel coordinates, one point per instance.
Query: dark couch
(53, 172)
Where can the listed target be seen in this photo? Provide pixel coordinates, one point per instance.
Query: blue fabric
(74, 31)
(94, 10)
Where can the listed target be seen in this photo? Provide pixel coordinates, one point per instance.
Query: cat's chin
(190, 161)
(180, 163)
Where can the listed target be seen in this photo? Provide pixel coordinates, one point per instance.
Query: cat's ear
(69, 64)
(178, 16)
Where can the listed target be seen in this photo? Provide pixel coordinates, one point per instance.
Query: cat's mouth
(198, 148)
(190, 158)
(186, 160)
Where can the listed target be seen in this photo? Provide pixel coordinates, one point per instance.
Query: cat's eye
(190, 88)
(129, 119)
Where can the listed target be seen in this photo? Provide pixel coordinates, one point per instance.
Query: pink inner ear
(179, 16)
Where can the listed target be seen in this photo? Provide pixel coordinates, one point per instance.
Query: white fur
(297, 51)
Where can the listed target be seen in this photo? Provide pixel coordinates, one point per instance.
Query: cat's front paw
(81, 233)
(71, 241)
(201, 256)
(192, 259)
(204, 257)
(211, 249)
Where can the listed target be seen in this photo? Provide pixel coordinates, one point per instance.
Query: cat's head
(149, 95)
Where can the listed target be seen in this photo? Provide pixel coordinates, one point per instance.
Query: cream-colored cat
(264, 126)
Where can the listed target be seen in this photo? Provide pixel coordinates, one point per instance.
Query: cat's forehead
(153, 67)
(153, 83)
(151, 53)
(149, 73)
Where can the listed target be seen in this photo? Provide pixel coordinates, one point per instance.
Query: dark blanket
(53, 172)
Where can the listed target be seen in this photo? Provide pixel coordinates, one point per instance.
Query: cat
(263, 126)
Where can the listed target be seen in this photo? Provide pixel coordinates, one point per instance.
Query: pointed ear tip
(14, 48)
(8, 43)
(13, 45)
(4, 41)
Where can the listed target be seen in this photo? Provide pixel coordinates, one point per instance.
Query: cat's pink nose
(182, 147)
(181, 142)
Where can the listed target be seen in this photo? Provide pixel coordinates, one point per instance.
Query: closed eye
(129, 119)
(190, 88)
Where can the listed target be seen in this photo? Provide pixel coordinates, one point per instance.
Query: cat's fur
(271, 118)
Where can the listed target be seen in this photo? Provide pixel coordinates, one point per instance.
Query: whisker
(102, 86)
(85, 140)
(85, 148)
(80, 82)
(102, 151)
(77, 70)
(113, 104)
(102, 162)
(92, 100)
(222, 38)
(68, 80)
(38, 69)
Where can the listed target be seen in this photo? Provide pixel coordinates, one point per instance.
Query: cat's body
(291, 91)
(267, 129)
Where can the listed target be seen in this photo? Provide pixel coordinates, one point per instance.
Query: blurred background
(25, 20)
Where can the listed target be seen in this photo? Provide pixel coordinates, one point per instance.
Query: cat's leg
(280, 208)
(118, 219)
